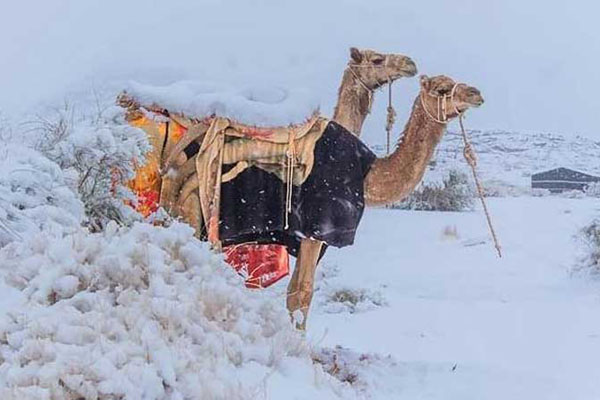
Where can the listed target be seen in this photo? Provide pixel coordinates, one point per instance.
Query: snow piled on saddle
(145, 312)
(260, 105)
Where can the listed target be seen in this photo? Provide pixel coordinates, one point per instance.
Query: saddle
(286, 152)
(183, 173)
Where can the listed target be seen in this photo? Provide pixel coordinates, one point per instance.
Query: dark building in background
(562, 179)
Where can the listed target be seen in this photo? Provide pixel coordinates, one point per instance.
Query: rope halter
(442, 103)
(391, 113)
(370, 91)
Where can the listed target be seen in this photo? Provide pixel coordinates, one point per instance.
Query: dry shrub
(454, 194)
(96, 153)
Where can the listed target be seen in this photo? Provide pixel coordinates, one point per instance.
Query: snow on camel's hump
(259, 105)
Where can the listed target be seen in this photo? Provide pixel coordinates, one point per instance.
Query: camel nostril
(410, 67)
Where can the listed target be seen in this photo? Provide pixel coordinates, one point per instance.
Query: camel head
(444, 99)
(376, 69)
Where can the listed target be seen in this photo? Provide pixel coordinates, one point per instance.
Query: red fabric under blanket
(261, 264)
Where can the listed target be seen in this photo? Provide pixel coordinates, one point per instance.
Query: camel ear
(356, 55)
(424, 79)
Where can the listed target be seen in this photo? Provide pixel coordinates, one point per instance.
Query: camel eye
(378, 61)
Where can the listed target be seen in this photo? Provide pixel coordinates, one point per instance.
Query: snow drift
(133, 312)
(143, 312)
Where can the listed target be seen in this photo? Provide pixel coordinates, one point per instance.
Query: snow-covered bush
(34, 196)
(142, 313)
(96, 153)
(499, 188)
(351, 300)
(454, 194)
(572, 194)
(590, 235)
(537, 192)
(593, 189)
(364, 372)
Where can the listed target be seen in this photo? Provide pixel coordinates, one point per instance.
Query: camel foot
(298, 304)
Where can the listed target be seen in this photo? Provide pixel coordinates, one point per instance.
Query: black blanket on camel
(328, 206)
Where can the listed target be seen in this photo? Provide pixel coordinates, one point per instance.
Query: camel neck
(353, 103)
(393, 177)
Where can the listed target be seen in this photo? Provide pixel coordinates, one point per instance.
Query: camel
(367, 71)
(389, 179)
(395, 176)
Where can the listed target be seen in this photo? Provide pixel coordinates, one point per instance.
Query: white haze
(534, 61)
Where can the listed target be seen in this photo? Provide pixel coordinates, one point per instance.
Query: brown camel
(367, 71)
(389, 180)
(393, 177)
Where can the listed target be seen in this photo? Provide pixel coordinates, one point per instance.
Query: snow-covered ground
(458, 322)
(419, 308)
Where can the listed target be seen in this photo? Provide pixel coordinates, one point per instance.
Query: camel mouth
(473, 97)
(475, 103)
(409, 69)
(478, 102)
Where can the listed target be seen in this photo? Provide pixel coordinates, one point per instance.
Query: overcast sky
(536, 62)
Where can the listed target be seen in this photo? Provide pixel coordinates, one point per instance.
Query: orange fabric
(146, 183)
(176, 131)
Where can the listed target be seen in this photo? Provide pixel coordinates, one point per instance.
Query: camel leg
(190, 211)
(300, 288)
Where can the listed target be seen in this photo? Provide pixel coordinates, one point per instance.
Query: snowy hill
(512, 157)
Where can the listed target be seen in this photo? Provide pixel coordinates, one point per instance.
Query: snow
(458, 322)
(411, 311)
(261, 105)
(144, 313)
(34, 195)
(419, 307)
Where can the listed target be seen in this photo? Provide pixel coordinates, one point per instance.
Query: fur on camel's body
(389, 180)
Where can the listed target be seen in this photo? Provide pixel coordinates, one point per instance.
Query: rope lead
(391, 115)
(469, 155)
